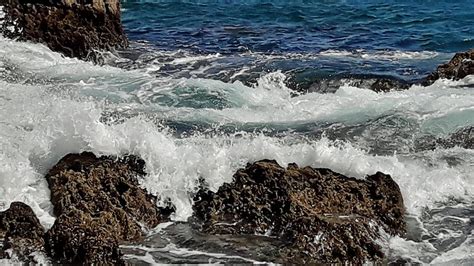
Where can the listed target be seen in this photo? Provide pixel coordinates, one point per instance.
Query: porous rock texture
(74, 28)
(323, 216)
(461, 65)
(99, 204)
(21, 232)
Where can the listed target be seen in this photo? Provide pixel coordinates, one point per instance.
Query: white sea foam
(461, 255)
(39, 128)
(40, 123)
(173, 249)
(381, 55)
(193, 59)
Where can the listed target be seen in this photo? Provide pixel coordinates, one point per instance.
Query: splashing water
(187, 129)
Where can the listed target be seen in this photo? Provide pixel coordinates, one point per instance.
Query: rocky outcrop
(461, 65)
(74, 28)
(322, 216)
(22, 233)
(99, 205)
(314, 215)
(463, 138)
(302, 83)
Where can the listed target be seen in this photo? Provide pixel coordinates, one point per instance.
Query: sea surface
(207, 86)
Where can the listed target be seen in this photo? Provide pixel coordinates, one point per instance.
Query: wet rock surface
(99, 205)
(184, 243)
(22, 233)
(302, 83)
(74, 28)
(320, 215)
(463, 138)
(268, 213)
(461, 65)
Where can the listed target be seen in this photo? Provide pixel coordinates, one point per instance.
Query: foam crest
(439, 109)
(65, 112)
(59, 126)
(382, 55)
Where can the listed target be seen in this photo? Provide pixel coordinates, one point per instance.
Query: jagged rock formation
(74, 28)
(302, 83)
(323, 216)
(22, 233)
(316, 215)
(461, 65)
(99, 205)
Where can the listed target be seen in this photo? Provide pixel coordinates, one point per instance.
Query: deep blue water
(302, 26)
(310, 39)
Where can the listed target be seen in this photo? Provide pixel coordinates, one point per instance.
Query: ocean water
(208, 86)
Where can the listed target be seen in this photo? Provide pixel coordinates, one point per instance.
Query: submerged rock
(461, 65)
(99, 205)
(463, 138)
(322, 216)
(22, 233)
(305, 82)
(74, 28)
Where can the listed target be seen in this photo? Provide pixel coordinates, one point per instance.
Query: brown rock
(100, 201)
(323, 216)
(80, 238)
(461, 65)
(22, 232)
(74, 28)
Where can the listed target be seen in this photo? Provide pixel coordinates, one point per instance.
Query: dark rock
(22, 233)
(306, 82)
(74, 28)
(386, 85)
(461, 65)
(81, 237)
(321, 215)
(463, 138)
(99, 204)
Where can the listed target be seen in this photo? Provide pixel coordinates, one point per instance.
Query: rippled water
(313, 39)
(206, 88)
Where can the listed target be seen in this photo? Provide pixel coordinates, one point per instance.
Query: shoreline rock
(22, 233)
(460, 66)
(463, 138)
(324, 217)
(308, 83)
(73, 28)
(314, 215)
(99, 205)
